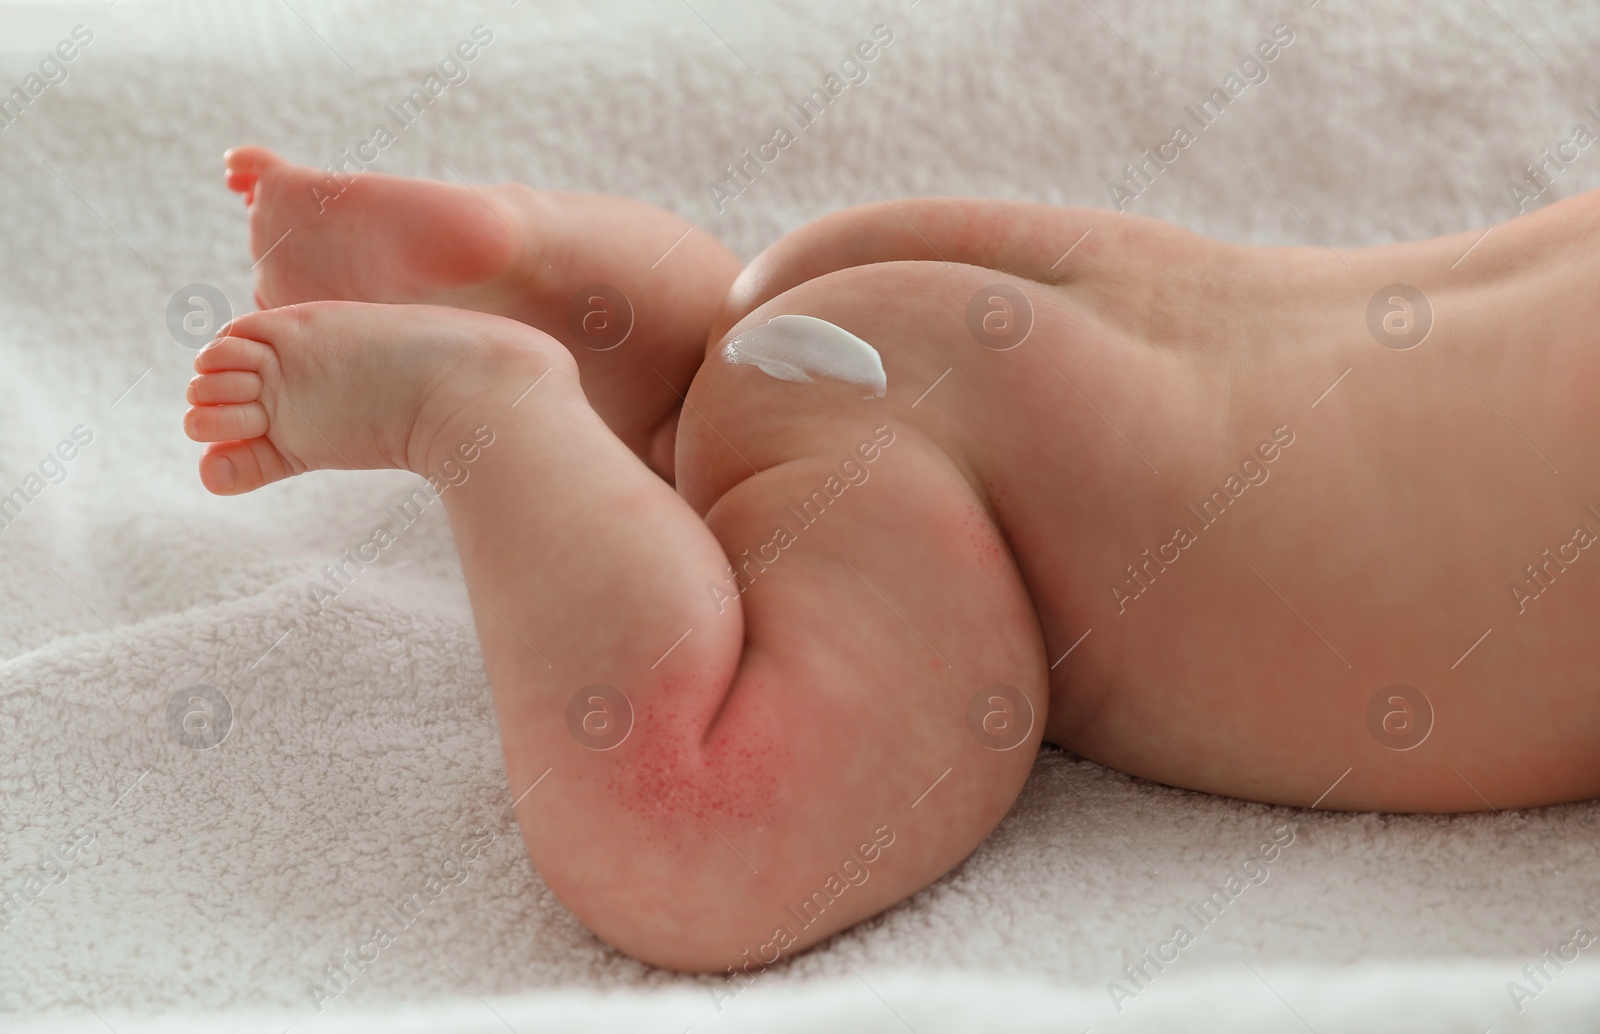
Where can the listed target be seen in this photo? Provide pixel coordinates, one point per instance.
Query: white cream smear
(796, 348)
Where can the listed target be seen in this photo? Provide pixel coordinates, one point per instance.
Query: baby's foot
(350, 386)
(377, 238)
(541, 258)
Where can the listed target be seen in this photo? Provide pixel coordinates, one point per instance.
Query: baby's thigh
(890, 691)
(883, 714)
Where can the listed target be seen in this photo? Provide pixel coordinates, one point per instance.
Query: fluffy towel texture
(220, 883)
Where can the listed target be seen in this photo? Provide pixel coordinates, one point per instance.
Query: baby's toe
(235, 467)
(234, 353)
(246, 165)
(226, 423)
(235, 386)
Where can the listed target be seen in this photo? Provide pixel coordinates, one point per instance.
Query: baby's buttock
(1286, 576)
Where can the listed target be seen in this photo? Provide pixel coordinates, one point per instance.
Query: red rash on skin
(673, 783)
(986, 543)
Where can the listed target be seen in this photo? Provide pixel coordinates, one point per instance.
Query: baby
(783, 572)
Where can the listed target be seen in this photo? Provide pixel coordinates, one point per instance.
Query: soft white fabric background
(364, 745)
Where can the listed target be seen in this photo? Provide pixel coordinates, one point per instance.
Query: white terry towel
(146, 879)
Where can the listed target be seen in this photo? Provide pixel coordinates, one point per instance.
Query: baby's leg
(629, 288)
(796, 757)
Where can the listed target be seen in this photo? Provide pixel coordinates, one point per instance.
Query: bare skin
(1383, 503)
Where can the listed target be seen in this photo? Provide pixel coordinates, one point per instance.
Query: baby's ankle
(513, 370)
